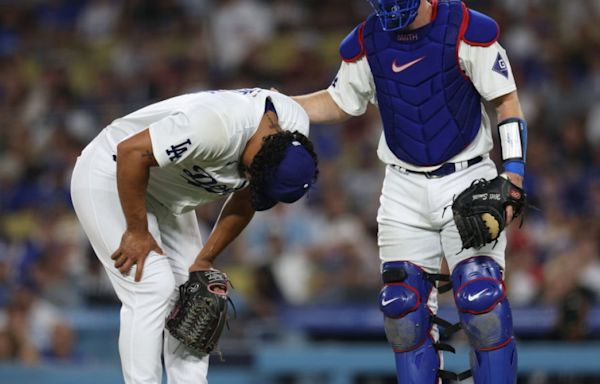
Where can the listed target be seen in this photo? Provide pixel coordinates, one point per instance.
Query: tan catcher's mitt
(479, 211)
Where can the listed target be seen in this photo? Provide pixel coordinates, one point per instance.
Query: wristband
(513, 142)
(515, 166)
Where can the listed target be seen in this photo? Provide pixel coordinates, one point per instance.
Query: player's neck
(268, 125)
(423, 17)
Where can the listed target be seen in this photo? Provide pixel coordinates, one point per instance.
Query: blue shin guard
(419, 365)
(408, 322)
(496, 366)
(485, 315)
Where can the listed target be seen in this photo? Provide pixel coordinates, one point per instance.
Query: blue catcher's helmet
(396, 14)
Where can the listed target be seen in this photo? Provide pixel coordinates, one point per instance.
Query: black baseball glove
(479, 210)
(201, 311)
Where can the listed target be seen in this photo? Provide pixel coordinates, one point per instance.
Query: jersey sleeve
(488, 68)
(181, 135)
(353, 87)
(292, 117)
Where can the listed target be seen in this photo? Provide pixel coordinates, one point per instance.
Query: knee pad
(480, 297)
(403, 301)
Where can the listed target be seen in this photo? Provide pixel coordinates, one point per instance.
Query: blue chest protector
(430, 110)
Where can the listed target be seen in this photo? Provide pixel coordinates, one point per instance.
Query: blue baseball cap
(292, 178)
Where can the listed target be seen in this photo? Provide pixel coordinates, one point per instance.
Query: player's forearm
(133, 172)
(132, 179)
(235, 216)
(321, 108)
(508, 106)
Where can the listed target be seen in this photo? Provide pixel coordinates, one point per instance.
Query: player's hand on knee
(133, 250)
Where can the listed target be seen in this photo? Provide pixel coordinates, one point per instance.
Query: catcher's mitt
(201, 311)
(479, 210)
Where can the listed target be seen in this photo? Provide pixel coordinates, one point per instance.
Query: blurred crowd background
(69, 67)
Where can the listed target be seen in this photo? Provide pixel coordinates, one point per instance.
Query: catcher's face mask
(395, 14)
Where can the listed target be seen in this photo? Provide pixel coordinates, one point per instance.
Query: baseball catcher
(201, 311)
(479, 210)
(428, 65)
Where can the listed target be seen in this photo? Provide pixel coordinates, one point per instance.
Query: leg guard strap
(449, 328)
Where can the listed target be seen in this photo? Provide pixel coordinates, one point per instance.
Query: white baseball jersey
(355, 88)
(198, 140)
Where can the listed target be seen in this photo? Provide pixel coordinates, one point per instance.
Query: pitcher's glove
(201, 311)
(479, 211)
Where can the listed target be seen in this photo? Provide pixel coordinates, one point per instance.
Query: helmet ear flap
(395, 14)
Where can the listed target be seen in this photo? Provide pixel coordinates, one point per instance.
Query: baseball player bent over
(428, 65)
(135, 187)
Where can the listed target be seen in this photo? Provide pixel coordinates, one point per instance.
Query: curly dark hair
(271, 153)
